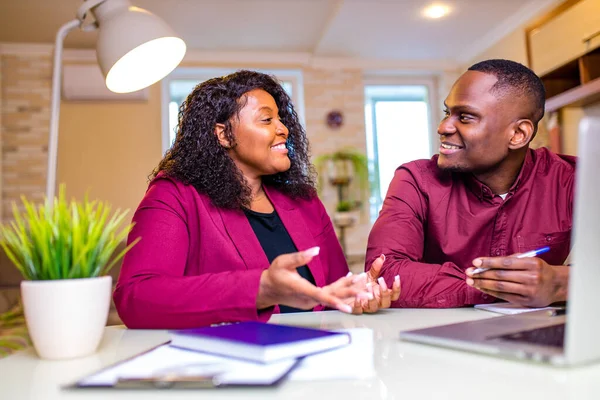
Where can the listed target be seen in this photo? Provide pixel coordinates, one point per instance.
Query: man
(483, 199)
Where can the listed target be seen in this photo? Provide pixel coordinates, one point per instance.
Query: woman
(234, 194)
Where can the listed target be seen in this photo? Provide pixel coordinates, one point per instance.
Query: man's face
(475, 131)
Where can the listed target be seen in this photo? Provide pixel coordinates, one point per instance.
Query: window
(399, 128)
(180, 83)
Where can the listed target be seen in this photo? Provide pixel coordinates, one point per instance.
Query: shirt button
(548, 238)
(485, 296)
(497, 252)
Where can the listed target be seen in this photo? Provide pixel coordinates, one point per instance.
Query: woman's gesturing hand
(281, 284)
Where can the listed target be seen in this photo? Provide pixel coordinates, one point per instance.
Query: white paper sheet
(509, 308)
(354, 361)
(170, 360)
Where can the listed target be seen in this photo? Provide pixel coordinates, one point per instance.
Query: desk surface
(403, 370)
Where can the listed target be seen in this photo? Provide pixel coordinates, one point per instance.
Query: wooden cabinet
(565, 37)
(564, 50)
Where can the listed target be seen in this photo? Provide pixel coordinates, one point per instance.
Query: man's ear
(523, 134)
(220, 133)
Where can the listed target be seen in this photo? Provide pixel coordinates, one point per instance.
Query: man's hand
(382, 296)
(281, 284)
(528, 281)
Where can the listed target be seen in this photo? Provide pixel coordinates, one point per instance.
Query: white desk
(404, 370)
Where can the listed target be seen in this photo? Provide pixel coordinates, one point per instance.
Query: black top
(275, 241)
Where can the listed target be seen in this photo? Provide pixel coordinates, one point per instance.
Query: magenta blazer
(197, 264)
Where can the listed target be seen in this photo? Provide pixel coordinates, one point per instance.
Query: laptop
(549, 336)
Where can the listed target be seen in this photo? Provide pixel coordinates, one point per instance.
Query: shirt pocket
(559, 243)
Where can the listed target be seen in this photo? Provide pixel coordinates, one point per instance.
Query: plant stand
(342, 168)
(342, 219)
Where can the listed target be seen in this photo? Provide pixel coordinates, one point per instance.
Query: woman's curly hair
(197, 158)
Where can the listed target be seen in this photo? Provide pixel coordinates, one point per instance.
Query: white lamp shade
(135, 48)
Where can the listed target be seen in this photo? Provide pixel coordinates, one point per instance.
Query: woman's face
(260, 137)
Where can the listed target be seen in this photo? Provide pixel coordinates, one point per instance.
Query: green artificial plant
(344, 205)
(64, 240)
(359, 164)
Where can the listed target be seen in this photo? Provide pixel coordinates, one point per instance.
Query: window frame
(434, 105)
(433, 112)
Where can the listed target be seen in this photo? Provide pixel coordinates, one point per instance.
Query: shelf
(574, 84)
(562, 79)
(576, 97)
(563, 48)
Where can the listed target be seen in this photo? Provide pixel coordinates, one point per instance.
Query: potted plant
(342, 167)
(343, 216)
(64, 250)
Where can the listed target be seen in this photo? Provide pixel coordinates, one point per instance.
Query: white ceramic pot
(66, 317)
(344, 219)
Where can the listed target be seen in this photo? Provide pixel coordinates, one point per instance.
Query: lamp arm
(55, 107)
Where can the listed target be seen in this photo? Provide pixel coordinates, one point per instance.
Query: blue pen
(532, 253)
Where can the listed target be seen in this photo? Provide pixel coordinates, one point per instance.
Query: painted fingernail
(397, 279)
(359, 277)
(382, 283)
(470, 281)
(348, 274)
(365, 295)
(477, 262)
(382, 256)
(313, 251)
(345, 308)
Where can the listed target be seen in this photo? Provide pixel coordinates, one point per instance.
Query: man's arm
(399, 234)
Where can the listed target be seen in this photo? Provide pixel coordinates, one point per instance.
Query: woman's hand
(382, 295)
(281, 284)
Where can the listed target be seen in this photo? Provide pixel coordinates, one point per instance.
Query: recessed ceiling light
(436, 11)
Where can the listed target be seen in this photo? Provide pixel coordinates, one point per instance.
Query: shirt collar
(482, 191)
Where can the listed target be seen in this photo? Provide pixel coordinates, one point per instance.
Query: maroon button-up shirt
(434, 223)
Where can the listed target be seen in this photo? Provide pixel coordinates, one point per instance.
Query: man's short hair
(518, 80)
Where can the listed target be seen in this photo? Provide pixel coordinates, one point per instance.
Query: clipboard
(167, 367)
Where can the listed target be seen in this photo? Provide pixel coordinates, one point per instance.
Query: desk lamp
(135, 49)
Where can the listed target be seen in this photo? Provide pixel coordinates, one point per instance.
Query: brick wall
(25, 109)
(25, 82)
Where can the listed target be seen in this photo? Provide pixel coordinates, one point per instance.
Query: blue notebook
(257, 341)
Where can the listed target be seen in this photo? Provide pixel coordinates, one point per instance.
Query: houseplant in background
(64, 250)
(342, 167)
(343, 216)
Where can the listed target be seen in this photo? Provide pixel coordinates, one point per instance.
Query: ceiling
(373, 29)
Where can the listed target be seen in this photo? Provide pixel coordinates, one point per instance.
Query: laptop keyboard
(553, 336)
